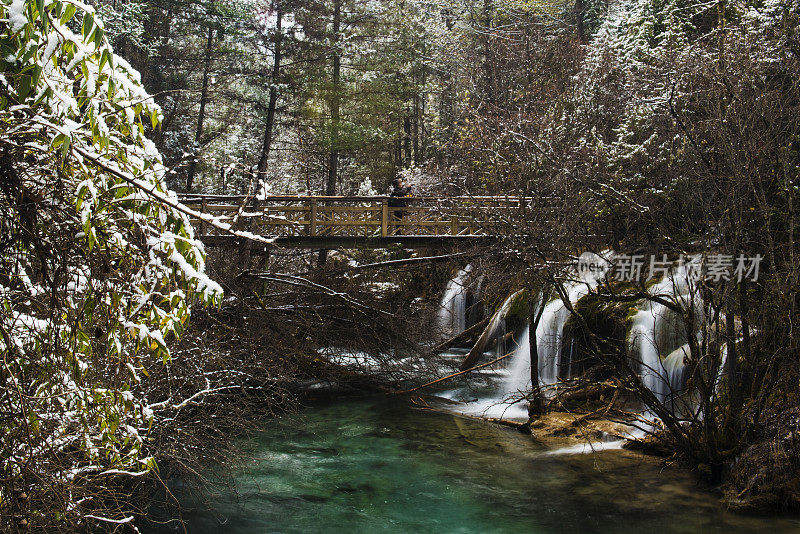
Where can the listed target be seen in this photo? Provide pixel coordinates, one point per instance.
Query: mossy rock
(607, 320)
(519, 306)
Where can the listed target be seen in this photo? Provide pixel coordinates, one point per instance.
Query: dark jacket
(400, 196)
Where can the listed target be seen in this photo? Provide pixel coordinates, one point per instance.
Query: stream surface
(380, 465)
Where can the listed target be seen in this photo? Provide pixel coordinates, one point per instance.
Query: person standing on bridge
(399, 197)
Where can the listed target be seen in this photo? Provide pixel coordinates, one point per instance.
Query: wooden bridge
(354, 222)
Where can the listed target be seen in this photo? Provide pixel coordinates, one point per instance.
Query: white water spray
(451, 317)
(550, 331)
(658, 336)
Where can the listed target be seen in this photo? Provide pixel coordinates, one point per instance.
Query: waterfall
(658, 337)
(550, 331)
(518, 380)
(451, 316)
(507, 401)
(549, 341)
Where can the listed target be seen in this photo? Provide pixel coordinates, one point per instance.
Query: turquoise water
(378, 465)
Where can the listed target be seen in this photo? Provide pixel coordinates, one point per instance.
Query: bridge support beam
(349, 242)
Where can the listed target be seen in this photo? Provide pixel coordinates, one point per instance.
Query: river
(381, 465)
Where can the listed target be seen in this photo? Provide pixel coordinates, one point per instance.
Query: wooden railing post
(453, 225)
(385, 218)
(245, 245)
(203, 209)
(313, 218)
(256, 209)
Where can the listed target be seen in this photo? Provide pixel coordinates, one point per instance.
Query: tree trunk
(487, 52)
(273, 98)
(749, 365)
(536, 405)
(421, 117)
(482, 342)
(202, 114)
(448, 90)
(415, 123)
(579, 9)
(333, 159)
(407, 138)
(462, 337)
(731, 359)
(489, 333)
(333, 162)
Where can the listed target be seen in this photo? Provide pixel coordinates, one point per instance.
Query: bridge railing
(333, 216)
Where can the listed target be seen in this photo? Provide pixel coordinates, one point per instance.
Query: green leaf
(45, 20)
(65, 147)
(36, 73)
(25, 85)
(69, 12)
(47, 94)
(87, 26)
(105, 57)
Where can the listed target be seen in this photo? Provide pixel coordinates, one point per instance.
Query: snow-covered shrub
(366, 189)
(97, 263)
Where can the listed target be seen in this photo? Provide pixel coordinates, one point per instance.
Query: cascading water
(658, 336)
(550, 331)
(493, 405)
(518, 379)
(658, 339)
(507, 399)
(451, 316)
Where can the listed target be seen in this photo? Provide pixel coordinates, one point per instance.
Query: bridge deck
(345, 222)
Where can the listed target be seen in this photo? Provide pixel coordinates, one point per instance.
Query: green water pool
(380, 465)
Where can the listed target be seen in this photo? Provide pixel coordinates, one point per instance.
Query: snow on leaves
(100, 263)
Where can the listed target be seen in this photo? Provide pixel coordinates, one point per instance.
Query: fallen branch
(394, 263)
(489, 332)
(522, 427)
(459, 373)
(298, 281)
(466, 335)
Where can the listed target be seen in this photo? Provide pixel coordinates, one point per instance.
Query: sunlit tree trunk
(273, 98)
(202, 113)
(333, 160)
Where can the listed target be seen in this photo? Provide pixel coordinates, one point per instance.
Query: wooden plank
(429, 216)
(287, 209)
(189, 197)
(285, 222)
(384, 218)
(203, 209)
(334, 224)
(313, 227)
(408, 241)
(354, 209)
(221, 207)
